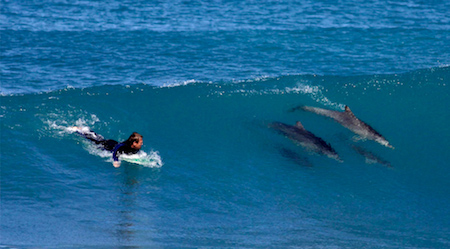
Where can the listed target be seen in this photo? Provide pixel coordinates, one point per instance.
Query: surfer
(130, 146)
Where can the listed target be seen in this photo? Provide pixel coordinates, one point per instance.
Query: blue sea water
(202, 81)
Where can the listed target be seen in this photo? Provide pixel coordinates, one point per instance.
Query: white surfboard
(153, 160)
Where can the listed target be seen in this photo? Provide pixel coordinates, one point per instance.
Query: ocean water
(202, 81)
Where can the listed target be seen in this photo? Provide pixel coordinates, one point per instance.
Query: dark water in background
(202, 81)
(49, 45)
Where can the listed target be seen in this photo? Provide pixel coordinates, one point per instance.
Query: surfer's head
(136, 140)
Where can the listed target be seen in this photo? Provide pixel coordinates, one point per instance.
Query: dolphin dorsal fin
(348, 111)
(299, 125)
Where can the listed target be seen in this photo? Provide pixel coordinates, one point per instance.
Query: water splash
(317, 94)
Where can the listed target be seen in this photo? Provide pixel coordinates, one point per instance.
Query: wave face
(226, 177)
(202, 81)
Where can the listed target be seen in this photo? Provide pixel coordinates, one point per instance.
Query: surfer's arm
(116, 162)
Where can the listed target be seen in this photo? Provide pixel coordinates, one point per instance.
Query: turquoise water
(202, 82)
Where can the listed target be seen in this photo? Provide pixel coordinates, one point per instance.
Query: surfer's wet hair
(134, 138)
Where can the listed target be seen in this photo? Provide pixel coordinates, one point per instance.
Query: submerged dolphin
(351, 122)
(306, 139)
(295, 157)
(370, 157)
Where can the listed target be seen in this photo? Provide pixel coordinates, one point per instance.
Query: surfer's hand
(116, 164)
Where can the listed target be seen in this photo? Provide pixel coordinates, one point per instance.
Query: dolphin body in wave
(370, 157)
(295, 157)
(306, 139)
(351, 122)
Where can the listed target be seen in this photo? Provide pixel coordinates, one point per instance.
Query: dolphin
(295, 157)
(306, 139)
(370, 157)
(351, 122)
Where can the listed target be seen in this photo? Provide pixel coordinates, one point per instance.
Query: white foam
(95, 150)
(151, 160)
(316, 93)
(64, 122)
(176, 84)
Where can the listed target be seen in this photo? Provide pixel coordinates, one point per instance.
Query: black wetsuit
(110, 145)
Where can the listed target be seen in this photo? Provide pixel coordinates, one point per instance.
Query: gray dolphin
(370, 157)
(351, 122)
(306, 139)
